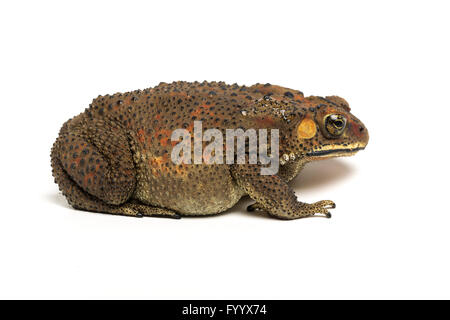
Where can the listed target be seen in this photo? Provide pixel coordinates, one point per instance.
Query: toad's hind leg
(80, 199)
(93, 157)
(93, 165)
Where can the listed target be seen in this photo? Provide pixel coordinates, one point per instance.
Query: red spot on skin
(181, 169)
(165, 136)
(164, 141)
(88, 176)
(199, 110)
(141, 135)
(298, 97)
(354, 127)
(126, 101)
(157, 164)
(265, 122)
(190, 128)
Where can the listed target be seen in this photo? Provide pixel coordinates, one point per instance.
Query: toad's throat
(333, 151)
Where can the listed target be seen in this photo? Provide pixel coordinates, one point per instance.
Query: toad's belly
(188, 189)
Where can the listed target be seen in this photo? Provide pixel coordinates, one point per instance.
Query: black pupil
(338, 123)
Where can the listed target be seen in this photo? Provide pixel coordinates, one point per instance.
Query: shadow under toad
(321, 173)
(58, 199)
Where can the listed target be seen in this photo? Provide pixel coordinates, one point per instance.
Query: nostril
(361, 129)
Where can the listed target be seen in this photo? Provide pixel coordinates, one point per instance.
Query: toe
(326, 204)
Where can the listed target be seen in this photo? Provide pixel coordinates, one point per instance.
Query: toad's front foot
(318, 209)
(273, 195)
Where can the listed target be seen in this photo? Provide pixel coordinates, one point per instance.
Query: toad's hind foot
(317, 209)
(139, 210)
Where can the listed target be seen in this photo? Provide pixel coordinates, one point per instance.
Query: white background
(390, 233)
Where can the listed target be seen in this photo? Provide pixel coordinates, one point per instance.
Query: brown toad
(115, 157)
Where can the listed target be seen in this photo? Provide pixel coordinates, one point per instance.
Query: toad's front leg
(273, 195)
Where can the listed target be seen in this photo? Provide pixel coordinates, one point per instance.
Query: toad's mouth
(334, 152)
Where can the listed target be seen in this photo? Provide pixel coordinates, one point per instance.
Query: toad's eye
(335, 124)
